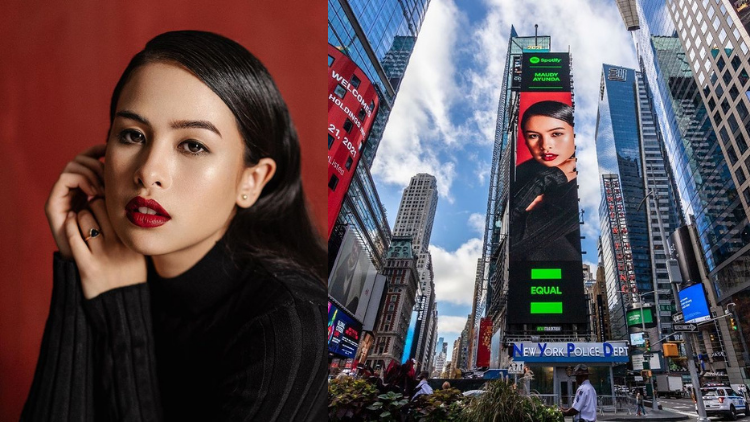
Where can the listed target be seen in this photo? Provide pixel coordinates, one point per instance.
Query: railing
(618, 403)
(548, 399)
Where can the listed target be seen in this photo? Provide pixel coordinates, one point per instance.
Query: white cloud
(455, 272)
(419, 125)
(450, 324)
(476, 222)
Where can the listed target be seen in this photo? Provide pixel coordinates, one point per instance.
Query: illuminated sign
(343, 333)
(694, 306)
(634, 317)
(483, 347)
(622, 253)
(617, 74)
(546, 277)
(571, 352)
(636, 339)
(352, 105)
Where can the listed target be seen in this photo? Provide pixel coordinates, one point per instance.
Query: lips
(549, 157)
(146, 213)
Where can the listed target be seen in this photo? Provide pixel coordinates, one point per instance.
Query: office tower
(494, 249)
(415, 218)
(685, 72)
(399, 298)
(631, 163)
(366, 31)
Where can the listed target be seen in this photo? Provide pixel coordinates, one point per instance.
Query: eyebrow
(548, 130)
(176, 124)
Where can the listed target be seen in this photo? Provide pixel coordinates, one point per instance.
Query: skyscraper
(631, 163)
(367, 30)
(691, 56)
(415, 218)
(494, 248)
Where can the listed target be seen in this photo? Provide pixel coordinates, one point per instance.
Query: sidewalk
(658, 415)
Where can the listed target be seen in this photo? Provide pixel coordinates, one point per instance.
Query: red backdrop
(59, 62)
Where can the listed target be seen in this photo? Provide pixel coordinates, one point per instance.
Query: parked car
(723, 400)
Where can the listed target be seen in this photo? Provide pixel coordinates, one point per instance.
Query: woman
(544, 213)
(188, 282)
(639, 404)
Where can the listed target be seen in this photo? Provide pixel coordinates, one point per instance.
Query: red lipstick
(146, 213)
(549, 157)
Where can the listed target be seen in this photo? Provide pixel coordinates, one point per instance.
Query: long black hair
(276, 231)
(554, 109)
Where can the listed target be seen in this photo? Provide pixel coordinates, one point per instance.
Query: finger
(95, 151)
(99, 209)
(90, 229)
(92, 163)
(77, 245)
(535, 202)
(78, 168)
(61, 193)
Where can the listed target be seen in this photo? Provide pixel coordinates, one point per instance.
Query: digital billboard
(343, 333)
(352, 105)
(483, 346)
(694, 305)
(352, 275)
(546, 277)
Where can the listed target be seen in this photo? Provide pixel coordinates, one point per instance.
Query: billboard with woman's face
(546, 274)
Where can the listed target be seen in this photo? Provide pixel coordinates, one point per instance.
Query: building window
(733, 92)
(348, 126)
(349, 162)
(720, 63)
(333, 182)
(731, 154)
(340, 91)
(727, 77)
(733, 126)
(711, 105)
(330, 60)
(361, 114)
(355, 81)
(330, 141)
(725, 106)
(742, 111)
(391, 307)
(740, 176)
(740, 139)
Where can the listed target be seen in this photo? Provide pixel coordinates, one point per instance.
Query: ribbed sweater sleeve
(62, 389)
(275, 369)
(125, 357)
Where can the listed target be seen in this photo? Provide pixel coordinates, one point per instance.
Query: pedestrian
(639, 404)
(422, 387)
(584, 404)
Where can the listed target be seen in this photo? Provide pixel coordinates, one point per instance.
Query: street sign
(516, 367)
(685, 327)
(678, 317)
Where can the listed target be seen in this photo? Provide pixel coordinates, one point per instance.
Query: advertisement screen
(636, 339)
(634, 317)
(694, 306)
(546, 277)
(485, 338)
(343, 333)
(352, 105)
(349, 275)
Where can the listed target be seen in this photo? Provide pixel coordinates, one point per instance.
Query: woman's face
(175, 142)
(549, 140)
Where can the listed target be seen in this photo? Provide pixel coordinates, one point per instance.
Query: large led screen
(352, 106)
(546, 278)
(694, 306)
(343, 333)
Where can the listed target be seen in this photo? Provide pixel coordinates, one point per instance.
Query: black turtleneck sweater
(219, 342)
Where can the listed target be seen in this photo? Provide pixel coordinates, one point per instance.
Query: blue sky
(443, 122)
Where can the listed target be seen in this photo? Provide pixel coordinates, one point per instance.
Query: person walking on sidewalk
(584, 404)
(639, 404)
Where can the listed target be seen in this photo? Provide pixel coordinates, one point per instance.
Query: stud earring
(244, 197)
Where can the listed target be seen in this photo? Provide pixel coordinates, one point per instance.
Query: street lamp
(647, 355)
(674, 282)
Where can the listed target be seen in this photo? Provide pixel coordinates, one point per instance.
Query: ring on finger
(93, 233)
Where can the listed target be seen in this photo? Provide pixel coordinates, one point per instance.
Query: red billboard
(352, 104)
(483, 346)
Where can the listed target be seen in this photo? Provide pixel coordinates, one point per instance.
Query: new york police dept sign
(607, 352)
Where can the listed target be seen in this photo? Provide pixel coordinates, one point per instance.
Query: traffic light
(670, 350)
(648, 345)
(733, 323)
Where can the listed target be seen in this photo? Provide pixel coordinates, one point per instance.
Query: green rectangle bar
(546, 273)
(546, 307)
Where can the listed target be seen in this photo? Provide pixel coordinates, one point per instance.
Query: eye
(193, 147)
(531, 136)
(556, 134)
(132, 136)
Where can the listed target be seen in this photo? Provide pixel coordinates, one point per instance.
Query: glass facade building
(632, 163)
(367, 30)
